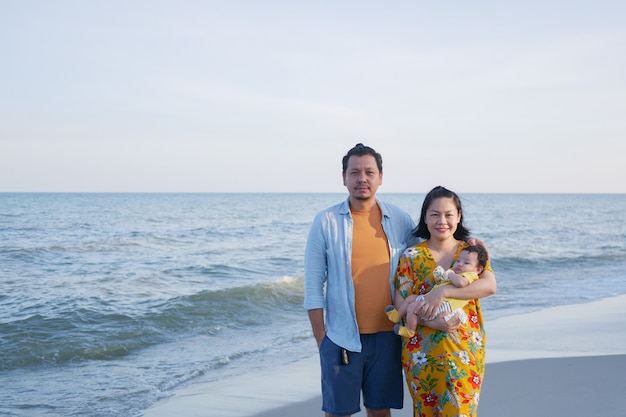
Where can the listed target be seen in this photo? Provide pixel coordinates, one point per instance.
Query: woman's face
(442, 218)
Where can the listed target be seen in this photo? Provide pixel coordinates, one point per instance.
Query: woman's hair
(461, 233)
(360, 150)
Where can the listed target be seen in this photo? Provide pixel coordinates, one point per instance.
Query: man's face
(362, 177)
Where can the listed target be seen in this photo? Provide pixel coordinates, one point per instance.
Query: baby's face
(466, 262)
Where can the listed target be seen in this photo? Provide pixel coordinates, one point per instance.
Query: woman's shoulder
(419, 249)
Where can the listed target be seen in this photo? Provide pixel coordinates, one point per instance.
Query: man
(350, 259)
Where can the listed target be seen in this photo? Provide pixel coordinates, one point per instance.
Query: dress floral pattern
(444, 371)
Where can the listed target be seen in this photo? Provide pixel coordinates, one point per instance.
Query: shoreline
(524, 352)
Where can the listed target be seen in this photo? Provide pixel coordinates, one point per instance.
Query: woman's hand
(426, 309)
(475, 241)
(440, 323)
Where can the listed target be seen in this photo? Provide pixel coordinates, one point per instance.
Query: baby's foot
(393, 314)
(403, 331)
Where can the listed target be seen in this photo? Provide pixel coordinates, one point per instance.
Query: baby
(470, 262)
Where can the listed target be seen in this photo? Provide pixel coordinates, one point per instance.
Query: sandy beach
(561, 361)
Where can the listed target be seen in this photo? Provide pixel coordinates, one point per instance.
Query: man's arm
(316, 317)
(314, 277)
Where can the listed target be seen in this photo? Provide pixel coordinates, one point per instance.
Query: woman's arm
(483, 287)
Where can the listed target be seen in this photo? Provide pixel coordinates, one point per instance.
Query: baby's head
(471, 259)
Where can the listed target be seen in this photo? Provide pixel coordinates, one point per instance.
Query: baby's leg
(404, 307)
(396, 314)
(411, 318)
(411, 315)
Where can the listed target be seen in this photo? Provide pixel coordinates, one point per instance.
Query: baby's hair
(480, 252)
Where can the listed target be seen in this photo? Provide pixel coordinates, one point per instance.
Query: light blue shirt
(328, 266)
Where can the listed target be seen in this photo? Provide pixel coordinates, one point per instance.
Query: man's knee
(379, 413)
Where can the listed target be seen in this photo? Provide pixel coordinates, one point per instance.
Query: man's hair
(360, 150)
(480, 252)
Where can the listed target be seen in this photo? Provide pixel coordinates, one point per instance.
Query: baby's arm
(457, 280)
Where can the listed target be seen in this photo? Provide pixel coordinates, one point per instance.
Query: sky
(267, 96)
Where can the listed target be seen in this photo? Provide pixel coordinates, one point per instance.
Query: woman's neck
(443, 245)
(443, 250)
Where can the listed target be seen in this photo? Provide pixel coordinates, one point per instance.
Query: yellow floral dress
(444, 371)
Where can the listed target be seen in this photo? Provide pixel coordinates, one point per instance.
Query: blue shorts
(376, 370)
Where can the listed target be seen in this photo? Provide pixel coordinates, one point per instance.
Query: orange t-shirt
(370, 271)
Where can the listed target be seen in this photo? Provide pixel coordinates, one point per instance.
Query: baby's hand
(439, 274)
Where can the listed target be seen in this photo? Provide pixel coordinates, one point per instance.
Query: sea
(111, 302)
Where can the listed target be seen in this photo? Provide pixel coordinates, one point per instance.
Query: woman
(444, 362)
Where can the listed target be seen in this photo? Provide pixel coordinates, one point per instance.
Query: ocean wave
(238, 306)
(560, 258)
(65, 333)
(70, 336)
(163, 289)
